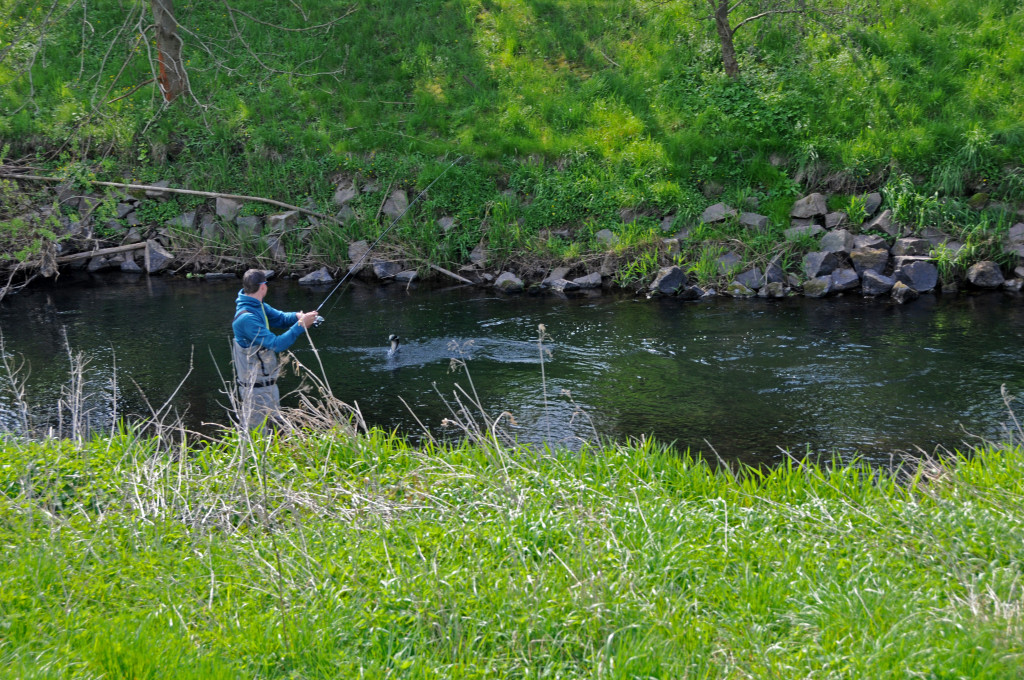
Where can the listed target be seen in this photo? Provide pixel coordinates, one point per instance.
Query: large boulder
(156, 257)
(911, 246)
(717, 213)
(321, 277)
(872, 283)
(870, 259)
(820, 264)
(751, 278)
(844, 279)
(509, 283)
(883, 223)
(920, 275)
(818, 287)
(902, 293)
(838, 241)
(813, 205)
(669, 281)
(985, 274)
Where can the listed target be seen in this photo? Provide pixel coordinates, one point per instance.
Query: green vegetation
(583, 109)
(328, 556)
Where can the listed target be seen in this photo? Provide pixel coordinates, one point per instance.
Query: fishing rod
(355, 266)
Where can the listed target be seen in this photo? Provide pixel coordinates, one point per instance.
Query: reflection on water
(749, 377)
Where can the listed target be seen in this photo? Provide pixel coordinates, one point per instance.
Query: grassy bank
(571, 117)
(324, 557)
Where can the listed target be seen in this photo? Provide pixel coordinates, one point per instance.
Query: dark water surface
(846, 375)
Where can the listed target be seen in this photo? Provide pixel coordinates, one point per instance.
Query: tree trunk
(173, 81)
(732, 69)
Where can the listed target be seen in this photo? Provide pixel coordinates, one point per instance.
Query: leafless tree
(172, 77)
(725, 13)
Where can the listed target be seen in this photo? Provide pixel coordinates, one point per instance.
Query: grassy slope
(367, 558)
(583, 108)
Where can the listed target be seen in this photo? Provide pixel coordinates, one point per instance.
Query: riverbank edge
(824, 252)
(284, 557)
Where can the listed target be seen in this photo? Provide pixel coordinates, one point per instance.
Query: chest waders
(257, 369)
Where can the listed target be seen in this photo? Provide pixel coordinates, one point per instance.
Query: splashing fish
(394, 340)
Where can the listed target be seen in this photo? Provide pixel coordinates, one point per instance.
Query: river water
(748, 378)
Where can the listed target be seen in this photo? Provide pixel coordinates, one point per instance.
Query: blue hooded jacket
(254, 319)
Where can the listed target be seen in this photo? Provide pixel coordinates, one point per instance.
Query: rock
(219, 276)
(793, 233)
(446, 223)
(186, 221)
(818, 287)
(556, 274)
(903, 293)
(838, 241)
(606, 237)
(728, 263)
(124, 209)
(508, 282)
(667, 222)
(872, 202)
(1013, 285)
(562, 286)
(1015, 236)
(882, 223)
(669, 281)
(737, 289)
(869, 259)
(920, 275)
(132, 220)
(911, 246)
(813, 205)
(819, 264)
(978, 201)
(384, 269)
(209, 228)
(478, 257)
(97, 264)
(318, 278)
(156, 258)
(130, 265)
(802, 222)
(228, 208)
(370, 187)
(872, 283)
(844, 279)
(627, 215)
(774, 290)
(345, 192)
(357, 251)
(156, 193)
(985, 274)
(717, 213)
(406, 276)
(250, 225)
(396, 205)
(752, 278)
(754, 221)
(276, 249)
(672, 246)
(836, 220)
(283, 221)
(869, 241)
(774, 273)
(934, 236)
(692, 293)
(133, 236)
(346, 215)
(592, 280)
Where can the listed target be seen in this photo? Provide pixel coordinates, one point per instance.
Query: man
(255, 348)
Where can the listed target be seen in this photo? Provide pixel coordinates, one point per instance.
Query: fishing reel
(319, 320)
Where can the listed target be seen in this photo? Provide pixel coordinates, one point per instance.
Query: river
(747, 379)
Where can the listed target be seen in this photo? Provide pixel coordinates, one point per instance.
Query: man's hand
(306, 319)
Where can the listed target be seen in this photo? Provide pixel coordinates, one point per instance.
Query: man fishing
(255, 348)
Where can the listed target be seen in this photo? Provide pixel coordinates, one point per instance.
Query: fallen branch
(451, 274)
(99, 253)
(170, 190)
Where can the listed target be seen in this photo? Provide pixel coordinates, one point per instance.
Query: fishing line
(355, 266)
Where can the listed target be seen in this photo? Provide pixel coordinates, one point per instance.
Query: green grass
(323, 557)
(582, 110)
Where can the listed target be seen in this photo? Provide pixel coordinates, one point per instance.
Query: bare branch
(765, 14)
(329, 24)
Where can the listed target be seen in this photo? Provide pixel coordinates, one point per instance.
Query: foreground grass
(338, 557)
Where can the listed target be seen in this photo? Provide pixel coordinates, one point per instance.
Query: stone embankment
(875, 257)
